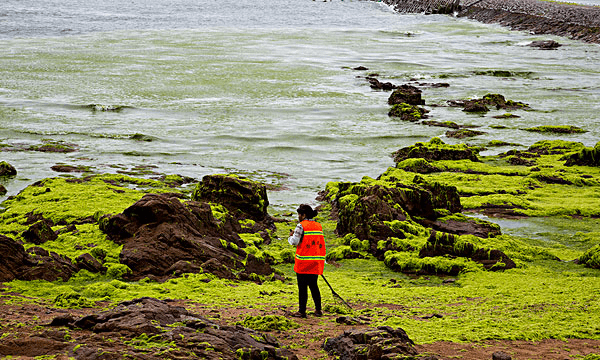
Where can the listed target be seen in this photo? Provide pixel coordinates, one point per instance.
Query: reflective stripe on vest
(310, 253)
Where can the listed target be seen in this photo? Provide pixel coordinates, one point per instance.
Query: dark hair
(307, 210)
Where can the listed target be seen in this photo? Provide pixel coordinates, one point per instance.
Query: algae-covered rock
(561, 129)
(40, 232)
(406, 94)
(55, 147)
(7, 169)
(408, 112)
(461, 225)
(418, 165)
(591, 258)
(584, 157)
(494, 100)
(464, 133)
(245, 199)
(444, 244)
(364, 209)
(37, 263)
(436, 150)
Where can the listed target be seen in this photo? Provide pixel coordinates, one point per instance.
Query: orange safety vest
(310, 253)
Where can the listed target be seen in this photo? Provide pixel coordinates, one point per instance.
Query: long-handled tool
(335, 295)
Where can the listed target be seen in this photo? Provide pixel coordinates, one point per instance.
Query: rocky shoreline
(578, 22)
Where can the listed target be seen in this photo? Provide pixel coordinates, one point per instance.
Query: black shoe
(318, 313)
(299, 315)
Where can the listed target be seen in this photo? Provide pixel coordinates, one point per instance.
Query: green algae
(559, 129)
(268, 323)
(145, 341)
(407, 112)
(548, 189)
(72, 300)
(66, 200)
(591, 257)
(542, 298)
(585, 156)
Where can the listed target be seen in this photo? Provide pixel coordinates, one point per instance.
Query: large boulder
(365, 209)
(160, 233)
(383, 342)
(244, 198)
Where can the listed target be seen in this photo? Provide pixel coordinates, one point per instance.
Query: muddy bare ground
(30, 318)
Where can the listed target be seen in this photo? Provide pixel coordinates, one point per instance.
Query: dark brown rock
(33, 264)
(407, 94)
(159, 234)
(40, 232)
(14, 258)
(545, 44)
(7, 169)
(378, 85)
(244, 198)
(475, 106)
(383, 342)
(501, 355)
(89, 263)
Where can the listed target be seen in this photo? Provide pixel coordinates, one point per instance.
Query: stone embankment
(579, 22)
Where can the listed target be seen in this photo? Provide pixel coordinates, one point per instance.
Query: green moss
(410, 262)
(407, 112)
(145, 341)
(66, 200)
(591, 258)
(72, 300)
(268, 323)
(219, 212)
(560, 129)
(339, 253)
(252, 239)
(117, 271)
(247, 224)
(408, 227)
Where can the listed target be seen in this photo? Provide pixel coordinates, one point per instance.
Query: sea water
(265, 88)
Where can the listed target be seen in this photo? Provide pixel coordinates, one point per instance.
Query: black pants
(306, 281)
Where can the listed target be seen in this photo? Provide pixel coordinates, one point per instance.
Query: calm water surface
(264, 87)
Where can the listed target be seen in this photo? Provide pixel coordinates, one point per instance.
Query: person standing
(310, 258)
